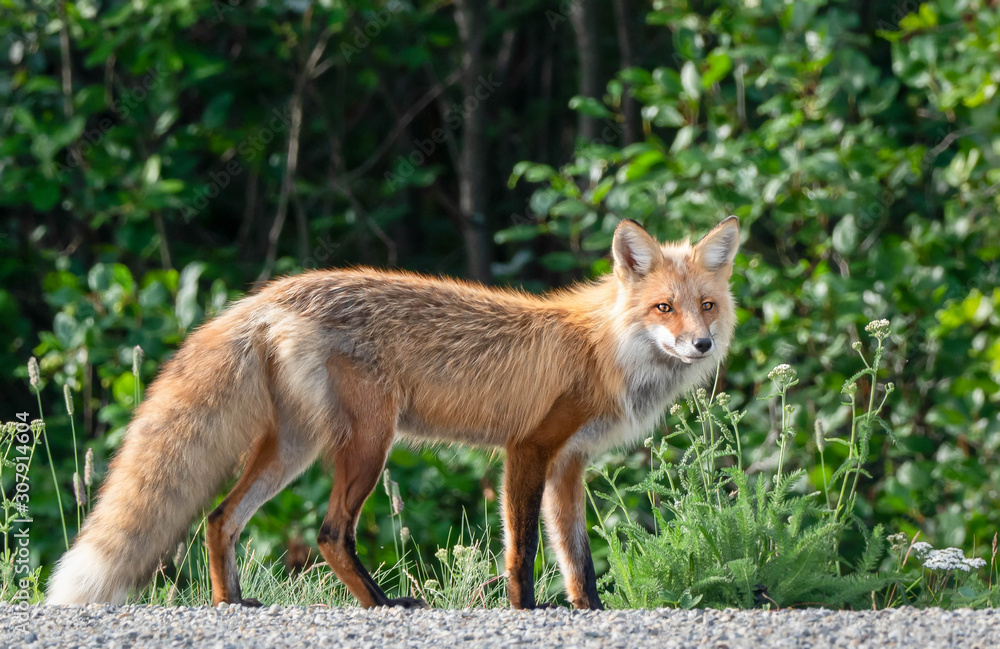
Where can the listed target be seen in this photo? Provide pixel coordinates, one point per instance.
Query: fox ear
(717, 249)
(636, 253)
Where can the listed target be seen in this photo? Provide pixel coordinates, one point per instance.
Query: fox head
(675, 297)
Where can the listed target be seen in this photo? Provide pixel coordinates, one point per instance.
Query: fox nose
(703, 345)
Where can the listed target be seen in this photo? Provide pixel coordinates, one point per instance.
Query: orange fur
(341, 362)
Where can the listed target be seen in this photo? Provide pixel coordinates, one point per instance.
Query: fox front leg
(564, 507)
(528, 463)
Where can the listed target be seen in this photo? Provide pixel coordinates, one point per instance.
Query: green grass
(463, 575)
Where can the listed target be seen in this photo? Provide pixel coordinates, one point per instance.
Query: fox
(339, 364)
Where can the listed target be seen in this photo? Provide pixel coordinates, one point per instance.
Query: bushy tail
(201, 416)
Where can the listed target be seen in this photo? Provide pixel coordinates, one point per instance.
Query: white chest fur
(647, 396)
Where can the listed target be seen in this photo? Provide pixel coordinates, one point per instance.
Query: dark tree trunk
(470, 16)
(630, 109)
(583, 15)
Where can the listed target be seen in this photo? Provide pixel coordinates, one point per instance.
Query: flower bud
(820, 439)
(397, 500)
(79, 491)
(68, 395)
(33, 375)
(88, 467)
(137, 355)
(179, 554)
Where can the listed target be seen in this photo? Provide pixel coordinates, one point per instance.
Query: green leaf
(217, 110)
(559, 261)
(517, 233)
(719, 65)
(845, 235)
(188, 311)
(691, 80)
(64, 327)
(589, 106)
(123, 389)
(151, 170)
(99, 278)
(685, 136)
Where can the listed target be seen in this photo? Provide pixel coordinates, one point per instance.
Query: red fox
(338, 363)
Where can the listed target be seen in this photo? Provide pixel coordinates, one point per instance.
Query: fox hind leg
(272, 464)
(564, 508)
(358, 461)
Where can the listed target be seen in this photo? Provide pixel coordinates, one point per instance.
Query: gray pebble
(229, 627)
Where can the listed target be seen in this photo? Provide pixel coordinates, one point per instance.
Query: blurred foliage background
(158, 159)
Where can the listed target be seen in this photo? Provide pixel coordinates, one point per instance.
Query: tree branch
(67, 70)
(292, 155)
(401, 125)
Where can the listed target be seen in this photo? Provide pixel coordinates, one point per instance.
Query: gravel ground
(231, 627)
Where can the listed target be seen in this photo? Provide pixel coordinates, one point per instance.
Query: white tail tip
(84, 575)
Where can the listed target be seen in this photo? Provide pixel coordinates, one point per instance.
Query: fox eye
(663, 307)
(707, 306)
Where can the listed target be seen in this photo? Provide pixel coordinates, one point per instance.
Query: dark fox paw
(250, 602)
(407, 602)
(536, 607)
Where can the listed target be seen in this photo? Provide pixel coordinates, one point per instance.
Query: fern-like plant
(726, 538)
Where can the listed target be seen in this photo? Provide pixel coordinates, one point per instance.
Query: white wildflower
(878, 328)
(676, 409)
(783, 375)
(946, 559)
(920, 549)
(463, 553)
